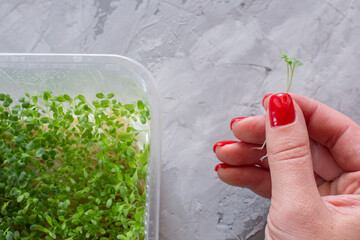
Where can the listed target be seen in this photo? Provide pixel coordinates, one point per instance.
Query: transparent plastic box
(88, 75)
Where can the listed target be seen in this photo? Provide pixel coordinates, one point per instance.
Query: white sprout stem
(262, 147)
(263, 157)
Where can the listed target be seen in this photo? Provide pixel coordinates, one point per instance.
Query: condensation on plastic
(89, 74)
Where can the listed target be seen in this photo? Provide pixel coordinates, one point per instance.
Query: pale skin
(311, 175)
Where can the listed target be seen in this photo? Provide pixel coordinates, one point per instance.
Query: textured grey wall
(213, 60)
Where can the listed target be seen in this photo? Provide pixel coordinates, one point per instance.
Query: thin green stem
(291, 78)
(287, 75)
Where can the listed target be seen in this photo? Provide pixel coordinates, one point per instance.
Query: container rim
(57, 55)
(77, 55)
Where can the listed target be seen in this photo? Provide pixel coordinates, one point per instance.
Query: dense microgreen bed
(71, 169)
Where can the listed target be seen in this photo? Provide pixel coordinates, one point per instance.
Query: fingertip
(221, 165)
(265, 99)
(236, 120)
(257, 179)
(250, 130)
(222, 143)
(281, 109)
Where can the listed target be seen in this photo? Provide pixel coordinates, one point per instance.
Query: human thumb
(288, 148)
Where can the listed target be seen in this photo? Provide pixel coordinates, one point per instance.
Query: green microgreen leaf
(100, 95)
(49, 220)
(109, 203)
(298, 63)
(110, 95)
(140, 105)
(130, 107)
(67, 97)
(20, 198)
(291, 60)
(40, 152)
(283, 55)
(81, 98)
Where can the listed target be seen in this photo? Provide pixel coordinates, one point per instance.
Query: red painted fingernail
(281, 109)
(221, 165)
(235, 120)
(267, 95)
(223, 143)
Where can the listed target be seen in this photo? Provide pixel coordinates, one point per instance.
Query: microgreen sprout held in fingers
(291, 63)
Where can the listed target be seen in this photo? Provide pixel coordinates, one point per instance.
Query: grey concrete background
(213, 61)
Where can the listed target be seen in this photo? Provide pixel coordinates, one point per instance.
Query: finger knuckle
(290, 151)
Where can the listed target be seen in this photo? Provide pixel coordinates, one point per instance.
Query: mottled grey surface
(213, 60)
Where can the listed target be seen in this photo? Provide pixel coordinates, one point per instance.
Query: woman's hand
(311, 174)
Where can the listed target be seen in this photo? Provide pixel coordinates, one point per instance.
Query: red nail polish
(221, 165)
(235, 120)
(267, 95)
(281, 109)
(223, 143)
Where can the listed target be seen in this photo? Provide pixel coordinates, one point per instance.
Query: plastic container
(88, 75)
